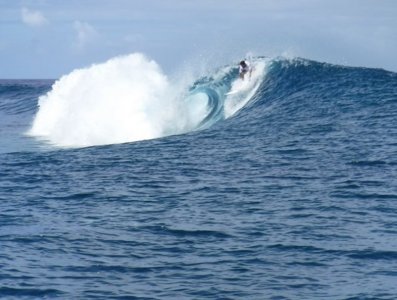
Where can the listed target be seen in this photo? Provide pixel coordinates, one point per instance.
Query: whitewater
(120, 181)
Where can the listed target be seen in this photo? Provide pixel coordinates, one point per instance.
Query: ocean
(119, 182)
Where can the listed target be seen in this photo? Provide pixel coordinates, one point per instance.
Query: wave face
(299, 94)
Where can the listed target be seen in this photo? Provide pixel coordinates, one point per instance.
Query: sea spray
(125, 99)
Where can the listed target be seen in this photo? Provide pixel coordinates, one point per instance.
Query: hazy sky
(49, 38)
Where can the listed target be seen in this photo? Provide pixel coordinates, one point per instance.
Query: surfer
(244, 68)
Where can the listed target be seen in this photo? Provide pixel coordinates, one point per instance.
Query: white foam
(125, 99)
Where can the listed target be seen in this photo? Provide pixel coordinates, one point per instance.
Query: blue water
(293, 197)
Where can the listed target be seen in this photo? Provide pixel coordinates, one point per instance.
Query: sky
(50, 38)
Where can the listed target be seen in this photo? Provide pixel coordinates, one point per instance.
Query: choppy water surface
(293, 197)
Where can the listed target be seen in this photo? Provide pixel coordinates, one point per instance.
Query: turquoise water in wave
(292, 197)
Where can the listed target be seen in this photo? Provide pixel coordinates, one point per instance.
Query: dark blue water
(295, 197)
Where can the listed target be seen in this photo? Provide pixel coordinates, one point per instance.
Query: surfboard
(232, 92)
